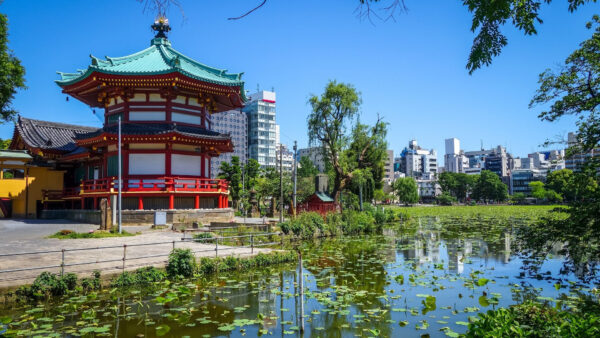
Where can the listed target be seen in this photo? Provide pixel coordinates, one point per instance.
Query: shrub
(203, 235)
(149, 275)
(535, 320)
(334, 223)
(285, 227)
(48, 284)
(357, 222)
(181, 263)
(93, 283)
(380, 217)
(445, 199)
(207, 265)
(123, 280)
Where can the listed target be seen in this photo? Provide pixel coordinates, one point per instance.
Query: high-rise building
(496, 160)
(388, 173)
(418, 162)
(262, 130)
(455, 160)
(575, 161)
(287, 161)
(315, 154)
(234, 123)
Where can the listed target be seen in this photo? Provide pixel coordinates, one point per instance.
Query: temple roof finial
(161, 26)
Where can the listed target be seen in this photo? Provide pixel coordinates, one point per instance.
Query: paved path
(29, 236)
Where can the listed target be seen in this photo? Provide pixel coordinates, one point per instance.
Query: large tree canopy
(574, 90)
(12, 74)
(364, 148)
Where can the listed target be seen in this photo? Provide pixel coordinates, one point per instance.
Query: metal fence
(249, 241)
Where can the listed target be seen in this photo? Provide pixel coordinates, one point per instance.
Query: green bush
(445, 199)
(181, 263)
(356, 222)
(203, 235)
(334, 223)
(379, 216)
(535, 320)
(48, 284)
(285, 227)
(70, 280)
(123, 280)
(149, 275)
(93, 283)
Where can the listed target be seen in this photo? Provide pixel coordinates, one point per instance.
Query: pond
(425, 278)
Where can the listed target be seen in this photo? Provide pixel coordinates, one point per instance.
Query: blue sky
(412, 71)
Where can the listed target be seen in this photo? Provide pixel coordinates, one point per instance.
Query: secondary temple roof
(47, 136)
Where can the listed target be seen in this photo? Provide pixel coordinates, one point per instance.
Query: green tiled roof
(14, 154)
(159, 58)
(323, 197)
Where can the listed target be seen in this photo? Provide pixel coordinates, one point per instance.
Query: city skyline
(398, 89)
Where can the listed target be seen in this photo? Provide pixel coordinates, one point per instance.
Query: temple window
(146, 164)
(13, 174)
(147, 116)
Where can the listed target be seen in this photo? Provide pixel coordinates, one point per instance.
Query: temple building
(164, 101)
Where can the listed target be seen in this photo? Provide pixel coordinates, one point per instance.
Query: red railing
(140, 184)
(155, 184)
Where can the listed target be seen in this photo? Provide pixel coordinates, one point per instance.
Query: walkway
(31, 238)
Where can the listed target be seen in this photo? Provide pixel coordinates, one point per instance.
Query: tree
(306, 168)
(406, 189)
(537, 190)
(489, 187)
(12, 74)
(518, 198)
(332, 114)
(251, 174)
(4, 144)
(561, 182)
(445, 199)
(573, 90)
(233, 174)
(458, 185)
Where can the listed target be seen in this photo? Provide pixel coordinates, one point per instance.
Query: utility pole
(281, 182)
(120, 204)
(295, 173)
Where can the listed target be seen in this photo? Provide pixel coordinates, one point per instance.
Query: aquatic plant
(182, 263)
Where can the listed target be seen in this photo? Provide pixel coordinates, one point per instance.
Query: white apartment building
(315, 154)
(234, 123)
(262, 130)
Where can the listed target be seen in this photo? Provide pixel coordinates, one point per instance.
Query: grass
(516, 211)
(68, 234)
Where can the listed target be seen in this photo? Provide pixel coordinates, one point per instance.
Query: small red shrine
(164, 100)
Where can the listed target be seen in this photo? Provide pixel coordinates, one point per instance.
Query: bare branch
(365, 10)
(160, 7)
(250, 11)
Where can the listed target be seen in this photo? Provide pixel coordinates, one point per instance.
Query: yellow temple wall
(29, 190)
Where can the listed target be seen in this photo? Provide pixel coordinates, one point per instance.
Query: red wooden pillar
(197, 202)
(140, 203)
(82, 203)
(168, 159)
(219, 201)
(95, 203)
(171, 201)
(202, 166)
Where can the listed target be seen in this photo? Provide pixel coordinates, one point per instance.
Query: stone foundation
(145, 217)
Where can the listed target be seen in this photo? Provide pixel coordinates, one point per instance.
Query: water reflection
(421, 275)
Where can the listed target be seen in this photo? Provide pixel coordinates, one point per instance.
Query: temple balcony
(160, 192)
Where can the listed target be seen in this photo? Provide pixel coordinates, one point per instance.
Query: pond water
(424, 278)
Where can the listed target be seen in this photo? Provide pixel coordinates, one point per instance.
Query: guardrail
(64, 263)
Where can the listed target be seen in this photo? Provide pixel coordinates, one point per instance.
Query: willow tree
(346, 144)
